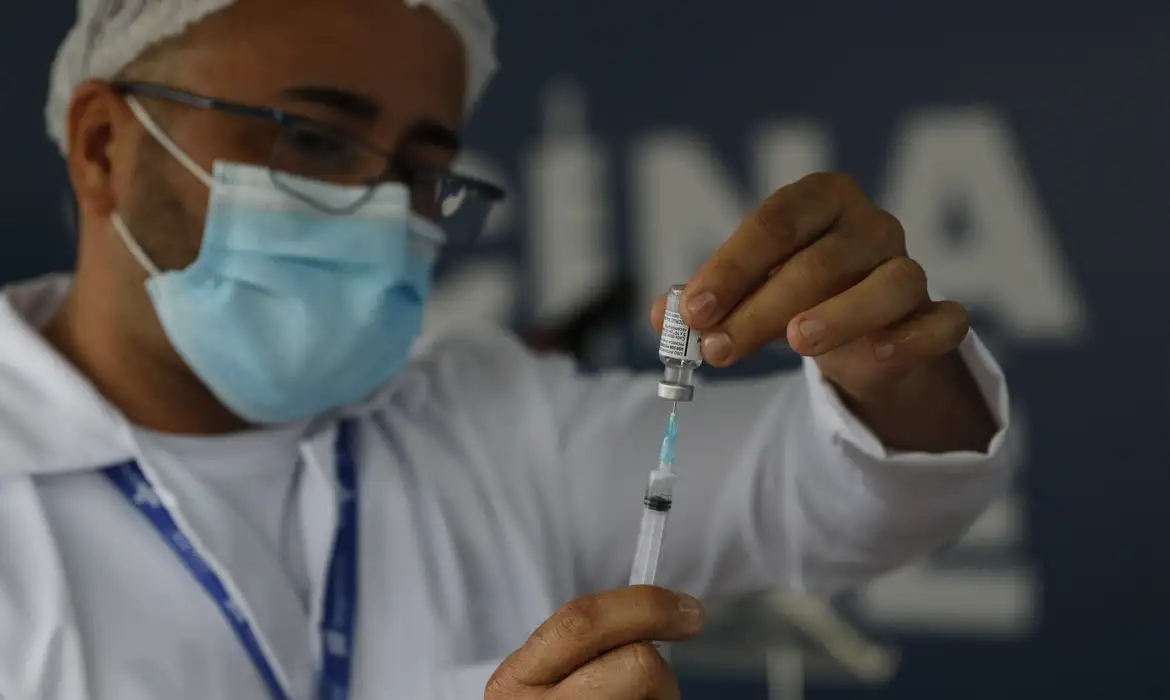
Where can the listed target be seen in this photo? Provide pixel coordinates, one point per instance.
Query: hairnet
(110, 35)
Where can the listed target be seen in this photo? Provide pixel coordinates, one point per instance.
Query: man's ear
(96, 126)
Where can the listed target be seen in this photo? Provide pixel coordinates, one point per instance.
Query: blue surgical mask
(289, 311)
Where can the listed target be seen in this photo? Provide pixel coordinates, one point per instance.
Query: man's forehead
(401, 58)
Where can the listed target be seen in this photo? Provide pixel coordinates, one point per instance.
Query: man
(221, 475)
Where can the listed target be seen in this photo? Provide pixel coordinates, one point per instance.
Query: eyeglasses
(306, 149)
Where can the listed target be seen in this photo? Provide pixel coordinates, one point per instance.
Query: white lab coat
(495, 486)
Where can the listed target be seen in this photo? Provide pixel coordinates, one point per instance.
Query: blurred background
(1027, 154)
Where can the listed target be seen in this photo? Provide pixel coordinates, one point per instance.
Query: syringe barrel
(649, 548)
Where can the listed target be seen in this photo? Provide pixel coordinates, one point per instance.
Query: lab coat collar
(53, 420)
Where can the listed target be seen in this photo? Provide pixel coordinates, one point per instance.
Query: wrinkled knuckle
(816, 272)
(890, 232)
(577, 620)
(773, 219)
(908, 275)
(499, 687)
(726, 269)
(648, 666)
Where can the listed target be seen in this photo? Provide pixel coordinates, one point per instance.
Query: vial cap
(675, 392)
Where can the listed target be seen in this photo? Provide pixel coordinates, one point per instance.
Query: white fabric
(108, 36)
(235, 488)
(495, 486)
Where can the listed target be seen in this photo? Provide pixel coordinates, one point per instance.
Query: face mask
(289, 311)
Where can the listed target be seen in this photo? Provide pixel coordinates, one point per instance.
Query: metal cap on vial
(675, 392)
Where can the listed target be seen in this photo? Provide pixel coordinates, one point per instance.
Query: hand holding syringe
(678, 349)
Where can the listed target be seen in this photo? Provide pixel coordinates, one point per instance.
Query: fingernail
(884, 351)
(699, 306)
(716, 347)
(690, 607)
(812, 329)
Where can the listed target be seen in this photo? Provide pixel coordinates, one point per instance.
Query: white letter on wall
(1009, 262)
(571, 194)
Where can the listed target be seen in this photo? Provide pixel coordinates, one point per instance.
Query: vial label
(678, 341)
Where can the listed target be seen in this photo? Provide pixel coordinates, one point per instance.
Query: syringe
(678, 349)
(659, 497)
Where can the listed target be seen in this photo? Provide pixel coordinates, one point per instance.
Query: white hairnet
(110, 35)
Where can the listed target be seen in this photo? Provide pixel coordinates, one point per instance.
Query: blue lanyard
(341, 592)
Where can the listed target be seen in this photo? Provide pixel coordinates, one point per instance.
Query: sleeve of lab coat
(779, 485)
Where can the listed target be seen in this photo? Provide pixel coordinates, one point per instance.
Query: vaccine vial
(679, 351)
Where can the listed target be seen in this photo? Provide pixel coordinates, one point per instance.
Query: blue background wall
(1028, 152)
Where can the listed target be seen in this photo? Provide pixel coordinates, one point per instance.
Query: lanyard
(339, 612)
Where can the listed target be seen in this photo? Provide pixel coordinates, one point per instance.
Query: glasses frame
(486, 190)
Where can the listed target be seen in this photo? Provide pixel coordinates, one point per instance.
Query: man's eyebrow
(346, 103)
(428, 133)
(357, 106)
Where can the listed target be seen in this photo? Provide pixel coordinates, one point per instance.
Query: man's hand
(601, 647)
(820, 265)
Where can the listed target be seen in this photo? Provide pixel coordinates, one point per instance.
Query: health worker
(230, 469)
